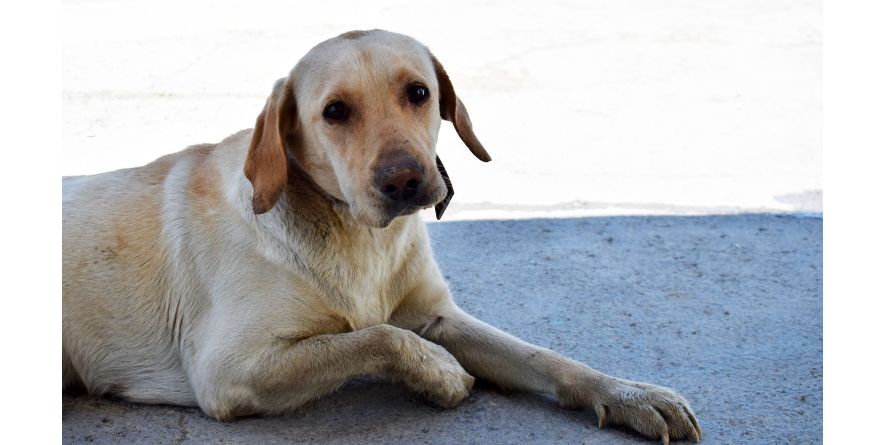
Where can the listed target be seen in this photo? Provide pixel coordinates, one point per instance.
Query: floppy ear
(453, 110)
(266, 164)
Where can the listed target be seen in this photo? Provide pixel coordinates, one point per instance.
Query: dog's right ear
(266, 164)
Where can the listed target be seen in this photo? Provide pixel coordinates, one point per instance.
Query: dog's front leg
(289, 372)
(507, 361)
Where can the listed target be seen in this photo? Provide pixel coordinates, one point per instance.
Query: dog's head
(360, 114)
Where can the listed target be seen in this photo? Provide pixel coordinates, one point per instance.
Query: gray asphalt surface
(725, 309)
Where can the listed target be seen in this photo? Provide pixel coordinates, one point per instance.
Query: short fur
(253, 275)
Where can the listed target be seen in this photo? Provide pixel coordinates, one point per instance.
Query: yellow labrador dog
(256, 274)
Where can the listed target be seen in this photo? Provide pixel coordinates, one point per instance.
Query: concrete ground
(726, 309)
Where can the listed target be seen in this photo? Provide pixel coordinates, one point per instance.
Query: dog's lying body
(189, 282)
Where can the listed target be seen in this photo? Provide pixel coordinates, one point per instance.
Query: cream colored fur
(179, 290)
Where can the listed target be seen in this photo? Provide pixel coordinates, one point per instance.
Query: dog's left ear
(267, 166)
(453, 110)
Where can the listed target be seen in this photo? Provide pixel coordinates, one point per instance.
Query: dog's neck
(303, 189)
(315, 235)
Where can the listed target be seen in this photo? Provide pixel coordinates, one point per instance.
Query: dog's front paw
(654, 411)
(433, 371)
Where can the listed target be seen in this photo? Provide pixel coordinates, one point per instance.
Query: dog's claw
(696, 427)
(601, 415)
(665, 439)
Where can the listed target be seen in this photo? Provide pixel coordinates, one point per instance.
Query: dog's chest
(364, 279)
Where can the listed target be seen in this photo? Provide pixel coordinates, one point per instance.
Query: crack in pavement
(182, 429)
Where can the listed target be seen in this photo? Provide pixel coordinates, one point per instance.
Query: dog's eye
(336, 112)
(417, 94)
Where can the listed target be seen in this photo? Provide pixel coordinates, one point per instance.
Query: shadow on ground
(726, 309)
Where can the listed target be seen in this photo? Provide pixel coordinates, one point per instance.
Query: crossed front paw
(435, 373)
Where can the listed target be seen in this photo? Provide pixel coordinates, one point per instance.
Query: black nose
(400, 180)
